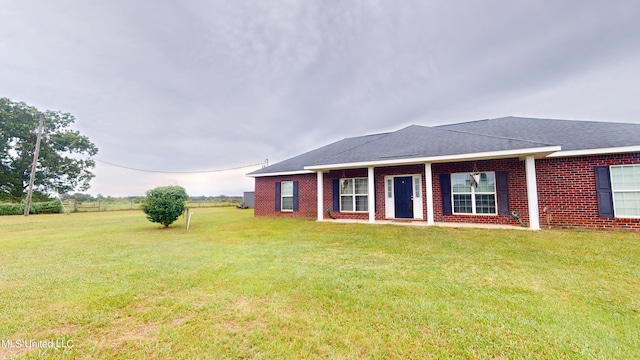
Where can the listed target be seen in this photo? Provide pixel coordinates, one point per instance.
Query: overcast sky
(215, 84)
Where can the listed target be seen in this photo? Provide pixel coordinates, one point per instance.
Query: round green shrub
(165, 204)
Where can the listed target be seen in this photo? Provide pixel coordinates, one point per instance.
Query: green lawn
(114, 285)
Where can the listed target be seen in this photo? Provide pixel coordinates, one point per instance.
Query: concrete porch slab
(422, 223)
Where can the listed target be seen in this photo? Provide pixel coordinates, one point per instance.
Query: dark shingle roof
(318, 156)
(421, 141)
(570, 134)
(509, 133)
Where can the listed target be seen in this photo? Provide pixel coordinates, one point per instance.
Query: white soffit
(539, 151)
(283, 173)
(612, 150)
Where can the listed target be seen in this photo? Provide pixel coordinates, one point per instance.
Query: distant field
(123, 204)
(112, 285)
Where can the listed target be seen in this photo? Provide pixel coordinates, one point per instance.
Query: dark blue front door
(403, 197)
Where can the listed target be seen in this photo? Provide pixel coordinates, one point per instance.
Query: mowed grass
(124, 204)
(235, 286)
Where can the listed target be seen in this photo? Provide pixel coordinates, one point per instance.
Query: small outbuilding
(248, 199)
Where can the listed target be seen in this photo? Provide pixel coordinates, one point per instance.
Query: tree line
(82, 197)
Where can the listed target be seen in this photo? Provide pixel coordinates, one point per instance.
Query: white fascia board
(283, 173)
(544, 151)
(601, 151)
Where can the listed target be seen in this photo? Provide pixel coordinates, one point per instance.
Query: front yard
(113, 285)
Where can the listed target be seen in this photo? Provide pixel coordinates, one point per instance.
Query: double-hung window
(625, 187)
(354, 194)
(471, 198)
(286, 195)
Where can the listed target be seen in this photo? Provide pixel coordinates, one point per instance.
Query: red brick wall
(517, 190)
(265, 191)
(328, 194)
(566, 187)
(265, 196)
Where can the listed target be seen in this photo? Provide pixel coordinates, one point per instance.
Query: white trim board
(601, 151)
(541, 151)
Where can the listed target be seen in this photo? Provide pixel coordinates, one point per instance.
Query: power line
(177, 172)
(264, 164)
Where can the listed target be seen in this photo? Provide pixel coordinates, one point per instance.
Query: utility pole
(27, 206)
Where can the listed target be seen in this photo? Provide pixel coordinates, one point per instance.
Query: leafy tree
(60, 169)
(165, 204)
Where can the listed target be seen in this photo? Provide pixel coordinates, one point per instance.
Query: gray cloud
(214, 84)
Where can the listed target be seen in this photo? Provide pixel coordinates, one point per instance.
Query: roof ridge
(464, 122)
(496, 136)
(364, 136)
(505, 118)
(537, 118)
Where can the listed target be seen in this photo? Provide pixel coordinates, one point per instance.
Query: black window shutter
(295, 196)
(603, 191)
(445, 191)
(502, 184)
(336, 195)
(375, 202)
(278, 196)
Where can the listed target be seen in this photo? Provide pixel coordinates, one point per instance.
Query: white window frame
(473, 192)
(283, 195)
(616, 193)
(353, 195)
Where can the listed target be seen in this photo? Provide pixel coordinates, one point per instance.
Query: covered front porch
(430, 199)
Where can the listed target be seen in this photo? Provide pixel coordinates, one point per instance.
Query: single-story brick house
(562, 173)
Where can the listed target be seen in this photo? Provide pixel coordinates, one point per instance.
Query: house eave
(281, 173)
(538, 152)
(600, 151)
